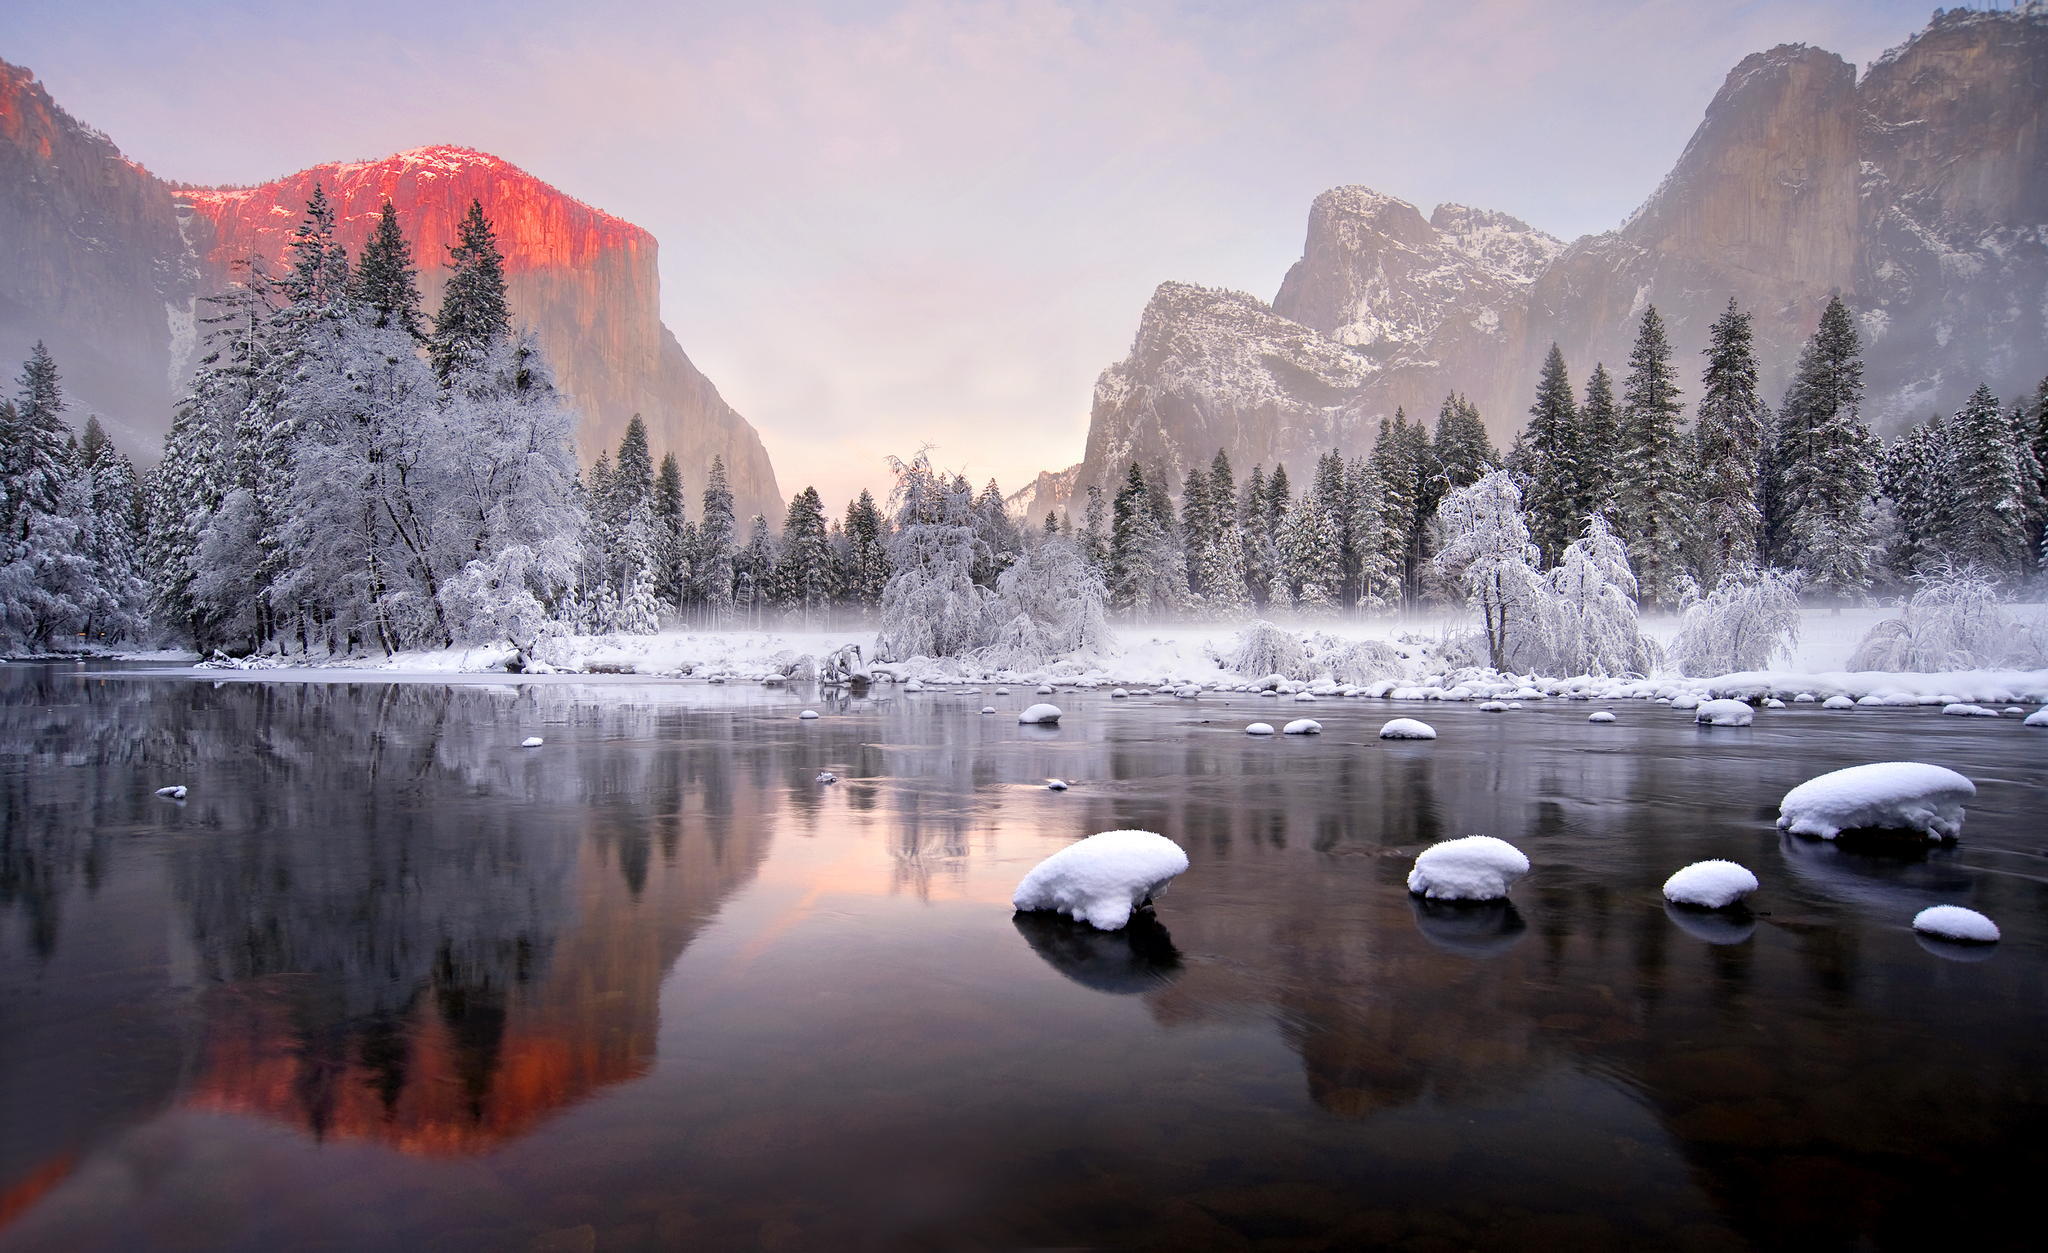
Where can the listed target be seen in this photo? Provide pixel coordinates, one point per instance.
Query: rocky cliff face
(1920, 193)
(105, 261)
(90, 263)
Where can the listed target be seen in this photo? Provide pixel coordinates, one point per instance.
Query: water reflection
(1139, 958)
(1469, 928)
(1714, 926)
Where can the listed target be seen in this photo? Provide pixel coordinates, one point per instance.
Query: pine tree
(1260, 555)
(1462, 449)
(1309, 555)
(1599, 444)
(867, 556)
(1409, 494)
(386, 281)
(671, 556)
(997, 533)
(712, 569)
(46, 579)
(1823, 473)
(1983, 510)
(1649, 510)
(802, 582)
(1095, 532)
(1730, 436)
(751, 570)
(1200, 532)
(1556, 460)
(114, 546)
(1911, 473)
(475, 314)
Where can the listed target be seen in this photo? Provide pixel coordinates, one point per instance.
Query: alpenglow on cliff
(109, 265)
(1919, 192)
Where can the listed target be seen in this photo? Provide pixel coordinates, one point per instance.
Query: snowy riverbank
(1402, 660)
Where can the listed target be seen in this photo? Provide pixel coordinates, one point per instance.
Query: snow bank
(1953, 922)
(1709, 885)
(1475, 868)
(1040, 715)
(1407, 729)
(1303, 726)
(1259, 728)
(1102, 879)
(1882, 796)
(1724, 713)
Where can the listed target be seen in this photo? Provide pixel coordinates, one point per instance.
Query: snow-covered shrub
(501, 597)
(1750, 619)
(1486, 553)
(1590, 625)
(1263, 649)
(1048, 604)
(1364, 661)
(1954, 621)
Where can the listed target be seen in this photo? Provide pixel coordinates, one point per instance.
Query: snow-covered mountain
(104, 261)
(1919, 192)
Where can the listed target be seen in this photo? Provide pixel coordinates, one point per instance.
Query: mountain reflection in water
(385, 980)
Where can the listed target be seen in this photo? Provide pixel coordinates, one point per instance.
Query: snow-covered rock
(1302, 726)
(1407, 729)
(1259, 728)
(1686, 701)
(1304, 696)
(913, 686)
(1804, 698)
(1602, 716)
(1838, 702)
(532, 741)
(1474, 868)
(1953, 922)
(826, 776)
(1961, 710)
(1494, 707)
(1886, 795)
(1119, 694)
(1040, 715)
(175, 792)
(1709, 885)
(1724, 713)
(1055, 785)
(1773, 702)
(988, 709)
(2038, 718)
(1102, 879)
(1045, 689)
(808, 714)
(1002, 691)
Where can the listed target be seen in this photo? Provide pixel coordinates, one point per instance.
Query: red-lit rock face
(584, 280)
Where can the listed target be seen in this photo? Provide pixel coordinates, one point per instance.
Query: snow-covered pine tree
(2037, 437)
(1556, 459)
(1048, 604)
(1310, 561)
(1380, 543)
(1462, 449)
(1599, 444)
(1487, 554)
(931, 605)
(1730, 435)
(46, 578)
(1409, 497)
(671, 559)
(1982, 512)
(867, 565)
(1650, 508)
(1823, 464)
(1260, 551)
(1912, 472)
(1095, 531)
(712, 565)
(386, 281)
(475, 313)
(1146, 574)
(997, 531)
(802, 584)
(1199, 534)
(751, 571)
(115, 544)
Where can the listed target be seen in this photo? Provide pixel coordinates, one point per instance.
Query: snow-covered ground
(1411, 667)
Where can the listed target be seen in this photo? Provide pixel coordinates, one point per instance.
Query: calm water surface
(386, 980)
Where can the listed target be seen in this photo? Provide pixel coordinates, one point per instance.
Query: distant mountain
(1920, 193)
(106, 262)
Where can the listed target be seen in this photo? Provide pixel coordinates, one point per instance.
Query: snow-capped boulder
(1117, 693)
(1270, 692)
(1040, 715)
(1687, 701)
(2038, 718)
(1494, 707)
(1002, 691)
(1055, 785)
(1602, 716)
(1407, 729)
(2011, 711)
(175, 792)
(988, 709)
(1838, 702)
(1724, 713)
(808, 714)
(1804, 698)
(1102, 879)
(913, 686)
(1305, 696)
(1302, 726)
(1882, 796)
(1953, 922)
(1259, 728)
(826, 776)
(1045, 689)
(1187, 691)
(1961, 710)
(1773, 703)
(532, 741)
(1474, 868)
(1709, 885)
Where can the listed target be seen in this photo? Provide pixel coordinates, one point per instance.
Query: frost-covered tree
(671, 557)
(1730, 437)
(1556, 459)
(1049, 603)
(803, 582)
(931, 605)
(1822, 476)
(711, 567)
(43, 577)
(119, 608)
(1261, 549)
(1649, 507)
(752, 569)
(1487, 554)
(1310, 555)
(1409, 492)
(867, 558)
(1591, 626)
(1462, 450)
(1955, 620)
(1380, 541)
(1912, 473)
(1218, 566)
(1750, 619)
(1146, 574)
(998, 533)
(1264, 650)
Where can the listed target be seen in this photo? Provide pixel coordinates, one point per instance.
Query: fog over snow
(895, 223)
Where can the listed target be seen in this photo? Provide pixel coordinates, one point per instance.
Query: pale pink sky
(890, 224)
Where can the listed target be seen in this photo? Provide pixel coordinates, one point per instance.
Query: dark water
(385, 980)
